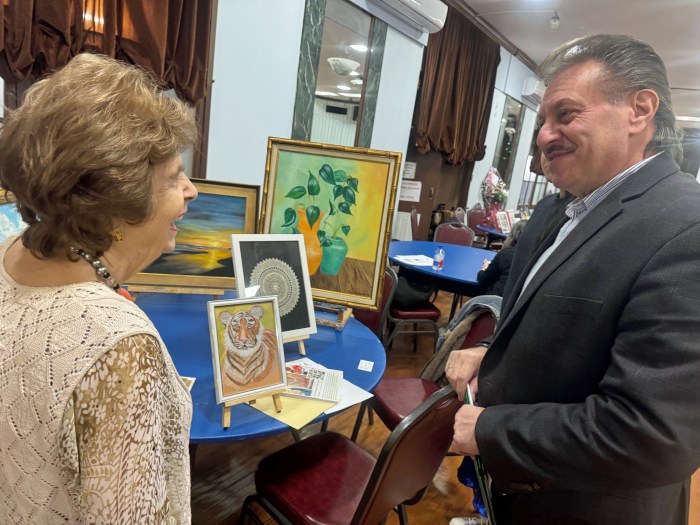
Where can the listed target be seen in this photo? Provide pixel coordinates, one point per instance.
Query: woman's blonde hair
(79, 153)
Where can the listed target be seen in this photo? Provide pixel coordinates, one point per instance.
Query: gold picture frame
(341, 199)
(202, 256)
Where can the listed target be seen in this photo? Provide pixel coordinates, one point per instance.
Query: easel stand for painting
(226, 408)
(300, 340)
(343, 313)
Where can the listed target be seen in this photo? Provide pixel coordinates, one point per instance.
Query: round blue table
(492, 233)
(458, 274)
(183, 324)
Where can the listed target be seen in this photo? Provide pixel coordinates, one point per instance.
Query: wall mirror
(511, 123)
(341, 74)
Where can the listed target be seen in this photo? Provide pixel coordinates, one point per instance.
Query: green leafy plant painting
(340, 200)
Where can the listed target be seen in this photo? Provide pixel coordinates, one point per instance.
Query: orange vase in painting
(314, 252)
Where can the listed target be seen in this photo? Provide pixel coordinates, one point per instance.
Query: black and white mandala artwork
(276, 277)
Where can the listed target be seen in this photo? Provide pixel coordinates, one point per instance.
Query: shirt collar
(583, 204)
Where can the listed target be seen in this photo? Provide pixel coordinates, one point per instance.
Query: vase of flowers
(494, 195)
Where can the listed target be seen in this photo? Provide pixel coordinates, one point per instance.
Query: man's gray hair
(629, 65)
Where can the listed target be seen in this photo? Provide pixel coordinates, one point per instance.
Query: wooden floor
(223, 474)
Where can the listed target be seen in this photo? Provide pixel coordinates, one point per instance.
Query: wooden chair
(396, 397)
(328, 479)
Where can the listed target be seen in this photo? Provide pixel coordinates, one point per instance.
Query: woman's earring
(118, 234)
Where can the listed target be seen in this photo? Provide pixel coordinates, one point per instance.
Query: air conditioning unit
(426, 15)
(533, 90)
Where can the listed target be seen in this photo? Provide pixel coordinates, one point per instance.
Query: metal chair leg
(403, 515)
(358, 421)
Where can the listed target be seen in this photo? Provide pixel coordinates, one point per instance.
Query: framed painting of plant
(202, 256)
(11, 222)
(341, 199)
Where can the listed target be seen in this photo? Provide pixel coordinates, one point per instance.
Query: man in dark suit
(590, 406)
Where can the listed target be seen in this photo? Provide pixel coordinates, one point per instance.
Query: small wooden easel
(226, 407)
(300, 339)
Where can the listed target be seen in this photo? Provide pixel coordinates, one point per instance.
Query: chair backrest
(375, 320)
(454, 233)
(474, 322)
(482, 327)
(474, 217)
(459, 214)
(426, 433)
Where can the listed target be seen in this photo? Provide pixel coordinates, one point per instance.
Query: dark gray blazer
(592, 381)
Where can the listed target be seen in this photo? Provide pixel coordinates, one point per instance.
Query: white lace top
(94, 419)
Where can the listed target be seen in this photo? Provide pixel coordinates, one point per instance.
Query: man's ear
(644, 103)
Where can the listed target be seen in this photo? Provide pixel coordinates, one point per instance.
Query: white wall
(255, 75)
(256, 57)
(397, 92)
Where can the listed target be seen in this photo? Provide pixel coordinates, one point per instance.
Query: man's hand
(464, 441)
(462, 368)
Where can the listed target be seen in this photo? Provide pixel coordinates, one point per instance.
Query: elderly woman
(94, 419)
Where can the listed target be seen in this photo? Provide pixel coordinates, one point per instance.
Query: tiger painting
(250, 347)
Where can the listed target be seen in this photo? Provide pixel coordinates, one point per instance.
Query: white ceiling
(672, 27)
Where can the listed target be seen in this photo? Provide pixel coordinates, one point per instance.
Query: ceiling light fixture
(343, 87)
(359, 47)
(554, 22)
(343, 66)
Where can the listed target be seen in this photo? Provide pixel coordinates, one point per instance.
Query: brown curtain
(168, 37)
(458, 81)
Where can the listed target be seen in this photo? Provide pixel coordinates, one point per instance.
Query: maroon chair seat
(425, 313)
(326, 479)
(396, 397)
(346, 469)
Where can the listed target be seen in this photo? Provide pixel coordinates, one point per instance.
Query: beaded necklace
(102, 272)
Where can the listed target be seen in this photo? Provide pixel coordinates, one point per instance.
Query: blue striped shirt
(577, 209)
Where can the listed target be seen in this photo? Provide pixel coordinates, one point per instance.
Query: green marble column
(309, 54)
(374, 75)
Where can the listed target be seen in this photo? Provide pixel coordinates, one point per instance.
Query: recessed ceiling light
(359, 47)
(356, 81)
(343, 87)
(352, 94)
(326, 94)
(354, 73)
